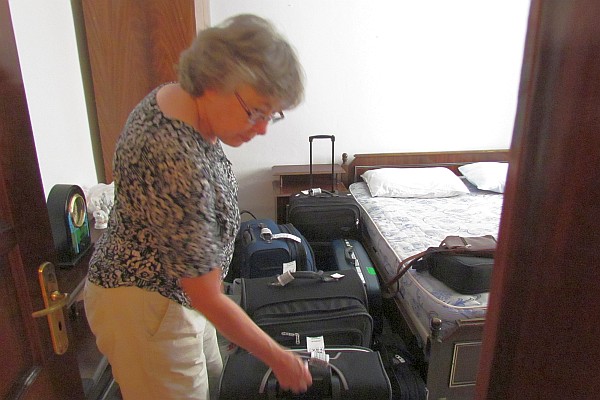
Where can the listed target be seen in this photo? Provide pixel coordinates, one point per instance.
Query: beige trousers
(157, 348)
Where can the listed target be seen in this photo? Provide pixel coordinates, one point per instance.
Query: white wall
(47, 48)
(383, 76)
(387, 76)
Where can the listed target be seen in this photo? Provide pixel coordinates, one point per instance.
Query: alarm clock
(67, 209)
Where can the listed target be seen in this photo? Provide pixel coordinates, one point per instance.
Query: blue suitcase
(350, 254)
(263, 249)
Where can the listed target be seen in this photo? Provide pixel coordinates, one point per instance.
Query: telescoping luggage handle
(332, 138)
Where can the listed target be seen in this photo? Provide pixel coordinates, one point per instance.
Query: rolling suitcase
(350, 254)
(352, 373)
(324, 215)
(312, 304)
(263, 248)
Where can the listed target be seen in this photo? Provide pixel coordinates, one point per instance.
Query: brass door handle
(54, 301)
(59, 300)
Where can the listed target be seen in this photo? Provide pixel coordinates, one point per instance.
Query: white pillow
(427, 182)
(486, 175)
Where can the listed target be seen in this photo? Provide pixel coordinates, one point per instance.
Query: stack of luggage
(331, 306)
(329, 298)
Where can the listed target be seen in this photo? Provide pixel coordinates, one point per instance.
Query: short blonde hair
(244, 49)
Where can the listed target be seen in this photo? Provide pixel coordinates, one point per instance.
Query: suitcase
(350, 254)
(325, 216)
(352, 373)
(263, 248)
(401, 367)
(312, 304)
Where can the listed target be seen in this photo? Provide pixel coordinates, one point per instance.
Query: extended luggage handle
(310, 140)
(317, 368)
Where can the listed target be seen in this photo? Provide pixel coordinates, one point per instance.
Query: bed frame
(450, 364)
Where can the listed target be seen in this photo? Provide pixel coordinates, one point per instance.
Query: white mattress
(399, 228)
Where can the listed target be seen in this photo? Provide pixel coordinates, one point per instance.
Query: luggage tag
(316, 348)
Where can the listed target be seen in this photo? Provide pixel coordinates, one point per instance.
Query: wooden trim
(451, 159)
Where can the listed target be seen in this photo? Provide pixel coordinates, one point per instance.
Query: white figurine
(101, 218)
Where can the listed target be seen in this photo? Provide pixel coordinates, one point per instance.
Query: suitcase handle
(325, 374)
(287, 277)
(332, 138)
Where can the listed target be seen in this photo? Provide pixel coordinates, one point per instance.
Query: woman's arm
(232, 322)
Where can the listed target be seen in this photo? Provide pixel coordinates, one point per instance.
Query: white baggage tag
(289, 266)
(316, 347)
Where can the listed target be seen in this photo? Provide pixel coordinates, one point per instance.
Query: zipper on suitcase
(292, 334)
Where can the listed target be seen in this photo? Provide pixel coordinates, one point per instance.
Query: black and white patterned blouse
(175, 212)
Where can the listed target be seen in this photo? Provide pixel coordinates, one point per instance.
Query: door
(30, 368)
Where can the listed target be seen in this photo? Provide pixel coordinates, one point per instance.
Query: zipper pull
(292, 334)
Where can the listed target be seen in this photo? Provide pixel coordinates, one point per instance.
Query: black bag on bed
(463, 263)
(465, 274)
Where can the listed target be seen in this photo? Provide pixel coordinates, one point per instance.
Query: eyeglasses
(254, 116)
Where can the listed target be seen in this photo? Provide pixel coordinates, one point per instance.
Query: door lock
(54, 301)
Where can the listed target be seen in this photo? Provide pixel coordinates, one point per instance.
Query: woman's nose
(261, 127)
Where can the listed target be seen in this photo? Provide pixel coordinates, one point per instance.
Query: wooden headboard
(449, 159)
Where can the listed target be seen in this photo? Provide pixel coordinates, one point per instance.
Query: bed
(445, 326)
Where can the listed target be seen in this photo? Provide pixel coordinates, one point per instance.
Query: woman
(154, 281)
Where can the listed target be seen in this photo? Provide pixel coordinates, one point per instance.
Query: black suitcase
(324, 216)
(350, 254)
(401, 367)
(352, 373)
(313, 304)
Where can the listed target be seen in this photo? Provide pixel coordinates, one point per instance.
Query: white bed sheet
(401, 227)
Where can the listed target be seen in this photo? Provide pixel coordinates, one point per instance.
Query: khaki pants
(157, 348)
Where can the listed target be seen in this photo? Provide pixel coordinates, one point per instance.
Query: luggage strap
(351, 258)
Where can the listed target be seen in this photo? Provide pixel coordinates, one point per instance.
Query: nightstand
(291, 179)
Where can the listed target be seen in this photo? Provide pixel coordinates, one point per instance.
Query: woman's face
(239, 116)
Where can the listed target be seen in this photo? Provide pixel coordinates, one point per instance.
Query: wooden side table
(291, 179)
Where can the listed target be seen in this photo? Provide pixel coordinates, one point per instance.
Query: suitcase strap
(352, 259)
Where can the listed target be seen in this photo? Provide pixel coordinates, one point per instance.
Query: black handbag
(463, 263)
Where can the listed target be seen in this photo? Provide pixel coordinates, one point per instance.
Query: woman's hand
(292, 373)
(233, 323)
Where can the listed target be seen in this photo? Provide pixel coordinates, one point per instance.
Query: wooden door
(541, 339)
(30, 369)
(133, 46)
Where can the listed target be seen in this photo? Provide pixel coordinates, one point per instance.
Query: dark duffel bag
(465, 274)
(352, 373)
(312, 304)
(263, 248)
(351, 254)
